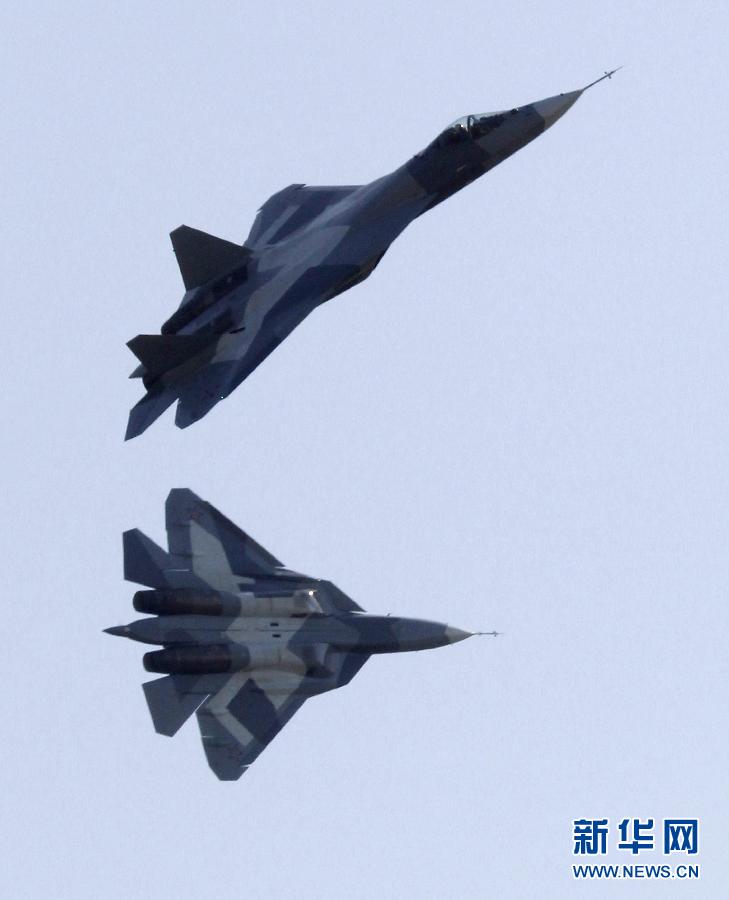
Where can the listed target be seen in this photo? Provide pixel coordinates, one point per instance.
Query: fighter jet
(307, 245)
(244, 640)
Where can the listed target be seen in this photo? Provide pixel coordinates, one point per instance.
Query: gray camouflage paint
(307, 245)
(244, 640)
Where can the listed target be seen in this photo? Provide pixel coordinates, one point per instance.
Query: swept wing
(240, 714)
(292, 208)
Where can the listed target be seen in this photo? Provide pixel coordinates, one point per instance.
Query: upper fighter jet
(307, 245)
(245, 641)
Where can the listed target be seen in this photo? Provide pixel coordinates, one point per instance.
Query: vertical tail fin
(159, 353)
(202, 257)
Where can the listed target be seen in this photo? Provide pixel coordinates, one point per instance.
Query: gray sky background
(519, 422)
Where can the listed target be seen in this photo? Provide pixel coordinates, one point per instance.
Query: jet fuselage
(308, 245)
(352, 632)
(363, 224)
(244, 640)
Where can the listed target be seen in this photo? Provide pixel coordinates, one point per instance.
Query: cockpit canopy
(478, 124)
(470, 128)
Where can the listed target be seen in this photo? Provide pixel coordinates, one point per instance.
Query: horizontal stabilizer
(149, 408)
(144, 561)
(203, 257)
(159, 353)
(173, 699)
(147, 563)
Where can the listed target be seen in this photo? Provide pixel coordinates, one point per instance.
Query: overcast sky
(518, 422)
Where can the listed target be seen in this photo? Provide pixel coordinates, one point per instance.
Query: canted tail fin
(203, 257)
(174, 698)
(159, 353)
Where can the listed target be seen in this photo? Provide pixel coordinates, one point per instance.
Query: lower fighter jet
(307, 245)
(244, 640)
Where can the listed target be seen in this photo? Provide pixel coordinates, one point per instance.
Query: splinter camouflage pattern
(307, 245)
(244, 640)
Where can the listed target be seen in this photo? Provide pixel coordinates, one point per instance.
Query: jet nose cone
(453, 635)
(118, 630)
(553, 108)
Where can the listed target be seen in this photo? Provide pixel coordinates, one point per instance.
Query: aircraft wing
(240, 714)
(202, 392)
(216, 551)
(245, 715)
(207, 544)
(291, 209)
(207, 550)
(239, 722)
